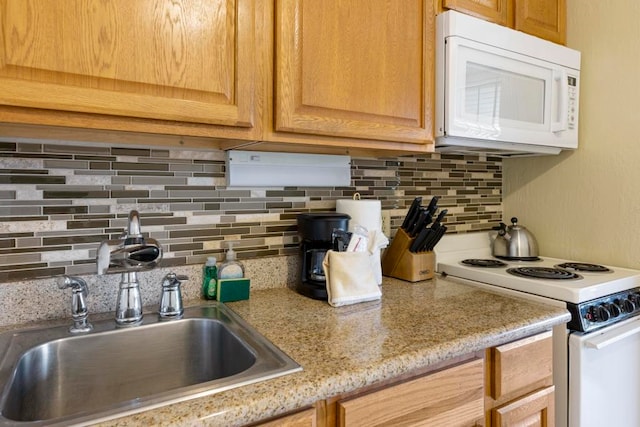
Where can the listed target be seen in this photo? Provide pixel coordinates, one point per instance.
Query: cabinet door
(452, 397)
(521, 365)
(358, 69)
(535, 409)
(545, 19)
(305, 418)
(181, 60)
(498, 11)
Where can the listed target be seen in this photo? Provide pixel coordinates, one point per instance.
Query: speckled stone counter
(343, 349)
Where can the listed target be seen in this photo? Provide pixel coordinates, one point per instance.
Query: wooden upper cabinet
(179, 60)
(356, 69)
(542, 18)
(545, 19)
(498, 11)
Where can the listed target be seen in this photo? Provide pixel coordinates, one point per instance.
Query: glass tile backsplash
(59, 200)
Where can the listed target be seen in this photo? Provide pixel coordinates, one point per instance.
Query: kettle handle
(502, 228)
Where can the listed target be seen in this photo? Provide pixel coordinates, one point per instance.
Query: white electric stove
(564, 280)
(597, 354)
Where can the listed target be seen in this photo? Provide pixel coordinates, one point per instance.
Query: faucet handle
(171, 298)
(79, 310)
(172, 279)
(145, 253)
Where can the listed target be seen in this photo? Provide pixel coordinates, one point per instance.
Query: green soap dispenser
(210, 278)
(231, 268)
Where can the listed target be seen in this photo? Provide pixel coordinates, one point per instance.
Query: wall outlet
(386, 223)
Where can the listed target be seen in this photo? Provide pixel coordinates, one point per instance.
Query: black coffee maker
(315, 231)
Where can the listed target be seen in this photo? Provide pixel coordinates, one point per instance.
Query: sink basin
(49, 376)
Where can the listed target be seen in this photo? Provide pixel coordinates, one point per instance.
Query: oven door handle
(613, 335)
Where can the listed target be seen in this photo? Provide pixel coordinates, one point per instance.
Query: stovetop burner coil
(581, 266)
(520, 258)
(489, 263)
(544, 273)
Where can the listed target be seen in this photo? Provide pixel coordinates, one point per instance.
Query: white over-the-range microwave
(503, 92)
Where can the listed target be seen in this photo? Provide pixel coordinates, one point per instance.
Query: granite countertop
(342, 349)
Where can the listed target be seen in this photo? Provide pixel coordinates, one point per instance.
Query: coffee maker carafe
(315, 231)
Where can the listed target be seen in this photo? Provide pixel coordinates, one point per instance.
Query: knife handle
(433, 205)
(420, 223)
(427, 242)
(411, 228)
(411, 213)
(419, 240)
(441, 216)
(437, 237)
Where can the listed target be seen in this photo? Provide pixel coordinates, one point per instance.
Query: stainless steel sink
(50, 377)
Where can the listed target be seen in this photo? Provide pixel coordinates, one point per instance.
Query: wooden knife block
(398, 262)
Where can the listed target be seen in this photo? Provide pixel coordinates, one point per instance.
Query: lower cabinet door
(306, 418)
(520, 366)
(451, 397)
(535, 409)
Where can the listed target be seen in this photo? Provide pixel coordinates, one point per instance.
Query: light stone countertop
(342, 349)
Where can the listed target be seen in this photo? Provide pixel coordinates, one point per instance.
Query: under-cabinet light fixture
(268, 169)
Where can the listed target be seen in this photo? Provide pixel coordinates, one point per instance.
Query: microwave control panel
(572, 84)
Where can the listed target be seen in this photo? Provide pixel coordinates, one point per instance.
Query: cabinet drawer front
(452, 397)
(535, 409)
(520, 364)
(305, 418)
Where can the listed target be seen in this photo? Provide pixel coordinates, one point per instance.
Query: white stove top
(452, 249)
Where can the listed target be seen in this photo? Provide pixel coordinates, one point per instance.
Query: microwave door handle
(562, 100)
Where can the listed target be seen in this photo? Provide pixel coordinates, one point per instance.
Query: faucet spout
(131, 252)
(133, 226)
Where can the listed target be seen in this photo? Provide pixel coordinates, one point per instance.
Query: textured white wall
(585, 205)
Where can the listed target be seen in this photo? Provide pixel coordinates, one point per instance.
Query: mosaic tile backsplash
(59, 200)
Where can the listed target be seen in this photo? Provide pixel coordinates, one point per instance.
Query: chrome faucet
(128, 255)
(79, 310)
(171, 299)
(131, 252)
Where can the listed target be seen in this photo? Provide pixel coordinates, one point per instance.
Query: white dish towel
(350, 278)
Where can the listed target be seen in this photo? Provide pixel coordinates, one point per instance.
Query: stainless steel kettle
(514, 242)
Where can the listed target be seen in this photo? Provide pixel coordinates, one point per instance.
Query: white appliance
(501, 91)
(597, 354)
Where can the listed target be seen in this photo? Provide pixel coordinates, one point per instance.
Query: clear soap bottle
(210, 278)
(231, 268)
